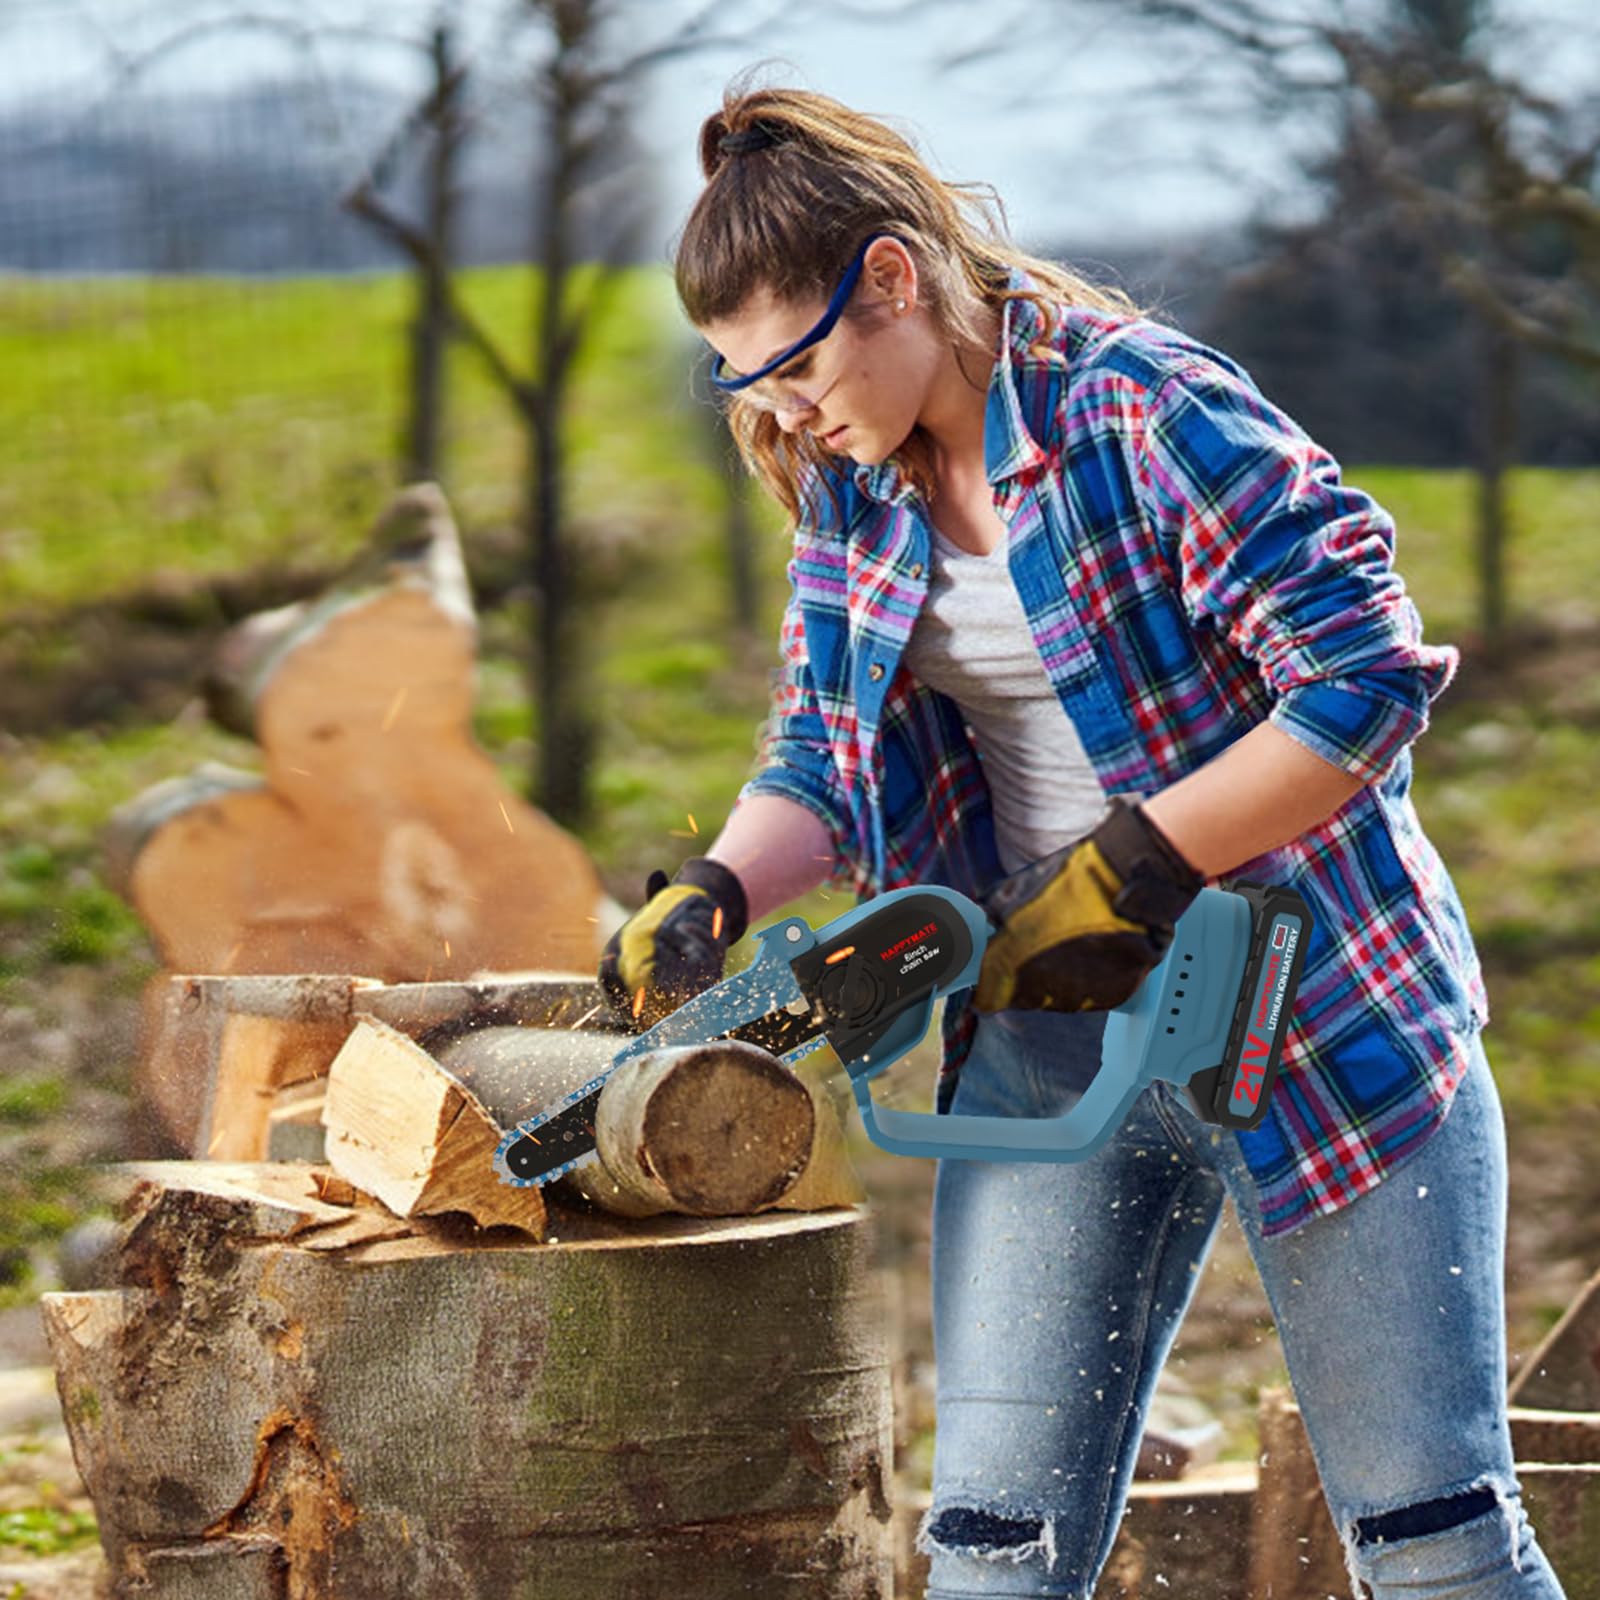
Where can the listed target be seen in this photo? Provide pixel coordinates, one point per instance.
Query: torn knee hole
(988, 1536)
(965, 1525)
(1432, 1516)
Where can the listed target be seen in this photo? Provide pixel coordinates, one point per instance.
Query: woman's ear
(892, 271)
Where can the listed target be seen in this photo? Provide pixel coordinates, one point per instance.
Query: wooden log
(431, 1012)
(381, 839)
(1563, 1374)
(218, 1049)
(701, 1158)
(402, 1128)
(640, 1410)
(1296, 1548)
(719, 1129)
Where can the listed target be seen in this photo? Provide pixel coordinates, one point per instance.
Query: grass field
(159, 434)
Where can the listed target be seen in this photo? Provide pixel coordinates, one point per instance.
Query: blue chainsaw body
(1211, 1017)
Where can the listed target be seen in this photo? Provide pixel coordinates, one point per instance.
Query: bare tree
(307, 30)
(583, 62)
(1490, 184)
(585, 79)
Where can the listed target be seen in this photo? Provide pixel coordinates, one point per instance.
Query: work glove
(674, 946)
(1080, 929)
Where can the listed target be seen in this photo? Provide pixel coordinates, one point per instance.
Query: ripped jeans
(1057, 1294)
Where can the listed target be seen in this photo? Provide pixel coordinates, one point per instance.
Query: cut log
(1563, 1374)
(634, 1411)
(720, 1129)
(381, 839)
(710, 1130)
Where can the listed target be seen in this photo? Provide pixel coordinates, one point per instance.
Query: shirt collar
(1009, 447)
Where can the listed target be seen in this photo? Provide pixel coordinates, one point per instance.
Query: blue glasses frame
(824, 326)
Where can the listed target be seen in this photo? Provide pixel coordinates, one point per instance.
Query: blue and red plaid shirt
(1189, 563)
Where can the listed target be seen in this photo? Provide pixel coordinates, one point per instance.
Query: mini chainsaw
(1211, 1016)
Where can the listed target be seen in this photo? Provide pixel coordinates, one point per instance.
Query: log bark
(640, 1410)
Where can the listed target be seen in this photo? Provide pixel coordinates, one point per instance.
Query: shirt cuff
(1359, 724)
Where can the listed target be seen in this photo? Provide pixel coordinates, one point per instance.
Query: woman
(1080, 623)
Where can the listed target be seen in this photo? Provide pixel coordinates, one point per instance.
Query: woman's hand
(674, 947)
(1081, 928)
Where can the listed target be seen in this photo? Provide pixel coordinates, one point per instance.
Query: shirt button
(875, 671)
(916, 570)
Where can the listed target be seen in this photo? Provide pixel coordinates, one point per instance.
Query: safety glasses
(776, 394)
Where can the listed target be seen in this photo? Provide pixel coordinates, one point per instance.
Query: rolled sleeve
(793, 755)
(1292, 566)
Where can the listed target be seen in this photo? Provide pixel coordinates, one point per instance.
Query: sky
(1091, 130)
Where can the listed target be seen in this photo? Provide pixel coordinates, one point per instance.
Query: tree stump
(272, 1404)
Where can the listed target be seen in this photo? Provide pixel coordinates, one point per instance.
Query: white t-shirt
(971, 641)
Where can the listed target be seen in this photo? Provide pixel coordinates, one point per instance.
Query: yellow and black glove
(1081, 928)
(675, 945)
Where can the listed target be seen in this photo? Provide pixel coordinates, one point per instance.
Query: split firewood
(675, 1406)
(380, 839)
(402, 1128)
(717, 1129)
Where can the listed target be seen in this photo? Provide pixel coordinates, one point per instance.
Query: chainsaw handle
(1070, 1137)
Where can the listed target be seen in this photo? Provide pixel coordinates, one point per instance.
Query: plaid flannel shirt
(1190, 563)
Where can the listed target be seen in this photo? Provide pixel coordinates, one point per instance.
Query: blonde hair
(789, 217)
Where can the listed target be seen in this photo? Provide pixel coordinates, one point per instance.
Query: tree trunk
(565, 733)
(1497, 442)
(633, 1411)
(431, 330)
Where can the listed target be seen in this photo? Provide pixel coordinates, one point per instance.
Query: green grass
(203, 426)
(1551, 561)
(46, 1530)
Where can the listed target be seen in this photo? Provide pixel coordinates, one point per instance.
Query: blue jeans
(1058, 1290)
